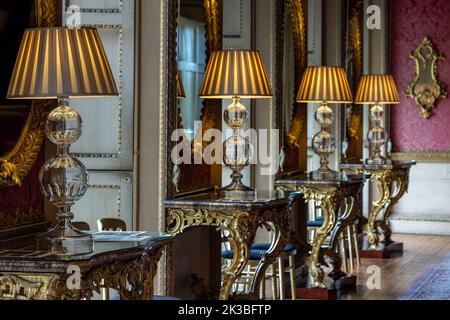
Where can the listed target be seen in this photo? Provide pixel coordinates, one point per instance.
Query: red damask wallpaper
(411, 21)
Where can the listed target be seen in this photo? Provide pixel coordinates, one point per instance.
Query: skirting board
(421, 227)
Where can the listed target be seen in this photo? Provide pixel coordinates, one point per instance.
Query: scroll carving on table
(425, 89)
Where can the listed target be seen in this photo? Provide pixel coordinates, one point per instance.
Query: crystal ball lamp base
(237, 149)
(64, 180)
(323, 142)
(376, 135)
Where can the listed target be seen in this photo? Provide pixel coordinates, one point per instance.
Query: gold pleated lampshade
(235, 73)
(61, 62)
(180, 86)
(324, 84)
(377, 89)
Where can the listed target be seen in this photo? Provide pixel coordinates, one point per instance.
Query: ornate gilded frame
(210, 110)
(354, 58)
(292, 142)
(15, 166)
(425, 99)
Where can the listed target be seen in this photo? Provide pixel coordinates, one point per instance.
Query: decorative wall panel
(411, 21)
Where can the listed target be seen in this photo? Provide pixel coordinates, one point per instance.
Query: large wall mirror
(291, 60)
(194, 33)
(21, 121)
(353, 135)
(191, 58)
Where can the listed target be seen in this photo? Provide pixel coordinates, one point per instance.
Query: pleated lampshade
(61, 62)
(324, 84)
(180, 86)
(377, 89)
(235, 73)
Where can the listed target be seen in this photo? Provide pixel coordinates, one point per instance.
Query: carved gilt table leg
(348, 216)
(329, 199)
(242, 232)
(401, 181)
(281, 236)
(383, 180)
(241, 226)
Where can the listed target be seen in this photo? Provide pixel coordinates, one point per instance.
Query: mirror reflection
(191, 61)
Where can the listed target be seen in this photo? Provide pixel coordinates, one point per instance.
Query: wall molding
(115, 187)
(238, 35)
(97, 10)
(118, 152)
(424, 156)
(431, 218)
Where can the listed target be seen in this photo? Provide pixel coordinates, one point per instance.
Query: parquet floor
(397, 274)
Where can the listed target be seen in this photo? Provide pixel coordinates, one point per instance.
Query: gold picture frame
(300, 51)
(15, 165)
(354, 69)
(425, 89)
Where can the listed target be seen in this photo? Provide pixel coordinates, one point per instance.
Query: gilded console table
(392, 179)
(128, 267)
(240, 215)
(330, 194)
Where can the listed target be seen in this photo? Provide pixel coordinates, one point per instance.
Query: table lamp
(324, 85)
(236, 74)
(61, 63)
(376, 90)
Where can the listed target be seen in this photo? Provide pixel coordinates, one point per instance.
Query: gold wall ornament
(15, 165)
(426, 88)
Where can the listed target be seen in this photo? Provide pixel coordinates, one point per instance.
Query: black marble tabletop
(25, 252)
(332, 179)
(236, 200)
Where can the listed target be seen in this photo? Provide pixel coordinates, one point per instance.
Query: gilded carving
(300, 52)
(329, 199)
(132, 279)
(425, 89)
(392, 183)
(354, 112)
(24, 286)
(241, 227)
(213, 23)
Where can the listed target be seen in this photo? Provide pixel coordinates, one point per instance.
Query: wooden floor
(397, 274)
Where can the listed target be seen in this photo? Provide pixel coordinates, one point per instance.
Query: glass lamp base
(65, 239)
